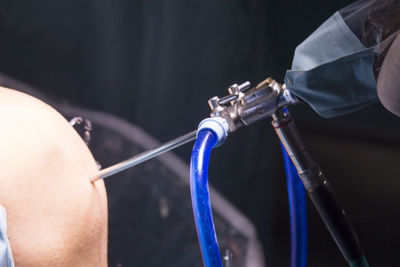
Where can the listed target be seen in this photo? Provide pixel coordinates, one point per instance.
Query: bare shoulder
(55, 216)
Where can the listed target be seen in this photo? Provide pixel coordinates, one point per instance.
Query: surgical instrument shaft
(144, 156)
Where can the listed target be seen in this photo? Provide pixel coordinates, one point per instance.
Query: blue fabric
(340, 87)
(6, 259)
(331, 41)
(332, 71)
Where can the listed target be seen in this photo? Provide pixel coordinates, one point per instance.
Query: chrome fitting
(245, 105)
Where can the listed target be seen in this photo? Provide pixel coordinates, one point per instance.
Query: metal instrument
(241, 107)
(142, 157)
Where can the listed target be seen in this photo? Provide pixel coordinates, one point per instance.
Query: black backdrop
(156, 63)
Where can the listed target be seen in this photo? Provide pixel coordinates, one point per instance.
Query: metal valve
(245, 105)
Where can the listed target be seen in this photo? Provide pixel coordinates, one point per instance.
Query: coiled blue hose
(298, 214)
(206, 141)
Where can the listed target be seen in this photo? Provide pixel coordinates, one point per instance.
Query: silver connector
(245, 105)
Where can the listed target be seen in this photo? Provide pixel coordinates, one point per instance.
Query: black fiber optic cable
(319, 190)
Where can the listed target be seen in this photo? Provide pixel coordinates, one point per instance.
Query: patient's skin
(55, 216)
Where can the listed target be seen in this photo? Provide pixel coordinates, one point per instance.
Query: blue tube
(298, 214)
(206, 140)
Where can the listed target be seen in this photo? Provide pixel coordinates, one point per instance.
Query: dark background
(156, 63)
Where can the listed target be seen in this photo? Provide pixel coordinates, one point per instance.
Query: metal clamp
(245, 105)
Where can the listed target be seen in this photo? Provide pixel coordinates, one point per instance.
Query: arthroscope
(334, 70)
(243, 106)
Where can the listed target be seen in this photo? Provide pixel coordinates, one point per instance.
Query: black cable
(319, 190)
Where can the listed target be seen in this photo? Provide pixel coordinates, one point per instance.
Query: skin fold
(55, 216)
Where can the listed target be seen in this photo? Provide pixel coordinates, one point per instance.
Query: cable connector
(245, 105)
(217, 125)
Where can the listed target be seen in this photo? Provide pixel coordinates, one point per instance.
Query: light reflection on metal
(142, 157)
